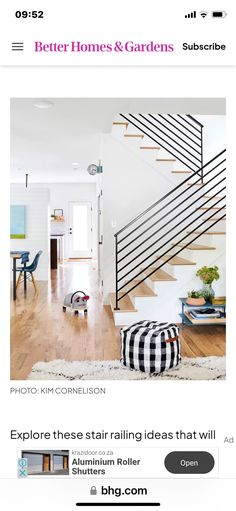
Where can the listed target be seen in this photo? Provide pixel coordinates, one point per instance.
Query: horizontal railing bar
(178, 136)
(166, 205)
(171, 220)
(168, 241)
(165, 262)
(190, 124)
(161, 209)
(169, 137)
(170, 193)
(177, 128)
(176, 120)
(171, 248)
(157, 141)
(195, 120)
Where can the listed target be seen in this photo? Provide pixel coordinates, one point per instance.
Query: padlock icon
(93, 490)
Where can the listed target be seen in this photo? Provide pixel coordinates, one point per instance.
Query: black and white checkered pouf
(150, 346)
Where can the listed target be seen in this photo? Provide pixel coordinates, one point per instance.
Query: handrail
(174, 231)
(186, 180)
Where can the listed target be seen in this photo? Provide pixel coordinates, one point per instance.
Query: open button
(189, 462)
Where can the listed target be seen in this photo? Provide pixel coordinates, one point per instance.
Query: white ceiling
(45, 142)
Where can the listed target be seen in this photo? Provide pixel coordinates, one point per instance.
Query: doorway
(100, 237)
(80, 230)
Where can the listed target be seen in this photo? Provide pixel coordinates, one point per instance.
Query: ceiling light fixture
(43, 104)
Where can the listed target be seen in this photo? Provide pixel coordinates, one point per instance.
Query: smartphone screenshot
(118, 355)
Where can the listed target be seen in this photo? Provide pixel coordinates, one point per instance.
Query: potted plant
(195, 298)
(208, 274)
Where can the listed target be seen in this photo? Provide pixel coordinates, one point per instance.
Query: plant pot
(195, 301)
(208, 292)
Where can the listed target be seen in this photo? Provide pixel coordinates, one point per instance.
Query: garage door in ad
(57, 462)
(35, 462)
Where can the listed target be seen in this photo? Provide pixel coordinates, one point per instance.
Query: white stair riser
(219, 226)
(161, 313)
(149, 156)
(199, 256)
(159, 287)
(126, 318)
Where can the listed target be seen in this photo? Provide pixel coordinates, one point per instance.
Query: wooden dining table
(15, 255)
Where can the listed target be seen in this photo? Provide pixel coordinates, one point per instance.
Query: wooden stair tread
(165, 159)
(214, 219)
(116, 123)
(150, 147)
(213, 209)
(195, 184)
(159, 275)
(177, 261)
(181, 172)
(142, 290)
(208, 232)
(195, 246)
(213, 198)
(133, 135)
(125, 304)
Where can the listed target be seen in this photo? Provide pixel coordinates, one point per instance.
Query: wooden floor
(40, 331)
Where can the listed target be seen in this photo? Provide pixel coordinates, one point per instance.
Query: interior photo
(117, 239)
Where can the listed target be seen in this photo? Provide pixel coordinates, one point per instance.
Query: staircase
(156, 254)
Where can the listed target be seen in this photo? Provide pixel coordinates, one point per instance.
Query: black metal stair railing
(143, 243)
(180, 135)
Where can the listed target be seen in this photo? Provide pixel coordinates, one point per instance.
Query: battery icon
(218, 14)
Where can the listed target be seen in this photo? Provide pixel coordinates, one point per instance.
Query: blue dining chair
(30, 269)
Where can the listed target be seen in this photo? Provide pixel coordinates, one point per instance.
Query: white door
(80, 229)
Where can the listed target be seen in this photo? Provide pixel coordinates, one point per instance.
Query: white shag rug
(204, 368)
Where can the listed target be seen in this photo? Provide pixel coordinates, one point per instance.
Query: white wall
(60, 196)
(214, 136)
(37, 225)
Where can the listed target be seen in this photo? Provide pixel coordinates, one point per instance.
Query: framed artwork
(58, 215)
(17, 224)
(58, 212)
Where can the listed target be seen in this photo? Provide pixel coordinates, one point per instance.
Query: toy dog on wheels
(77, 302)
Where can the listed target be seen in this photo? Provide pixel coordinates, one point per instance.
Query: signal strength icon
(191, 15)
(203, 14)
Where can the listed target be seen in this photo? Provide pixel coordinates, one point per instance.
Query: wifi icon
(203, 14)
